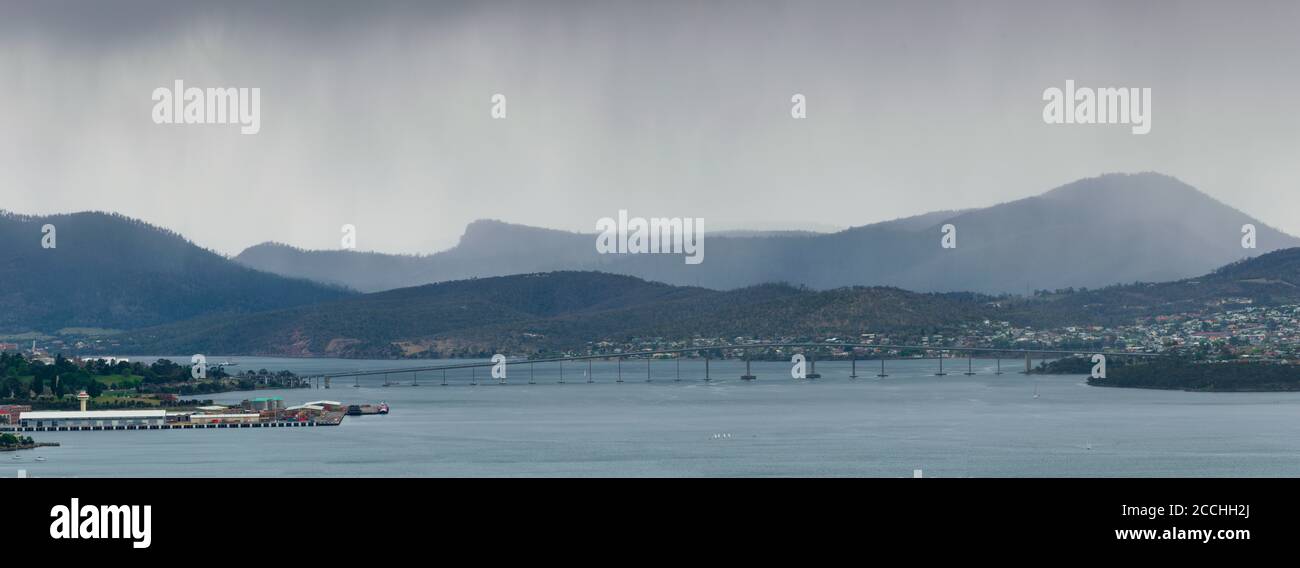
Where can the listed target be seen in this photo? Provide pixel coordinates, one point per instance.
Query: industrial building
(225, 418)
(271, 403)
(9, 413)
(92, 418)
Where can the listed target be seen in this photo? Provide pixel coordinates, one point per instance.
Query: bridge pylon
(748, 376)
(812, 368)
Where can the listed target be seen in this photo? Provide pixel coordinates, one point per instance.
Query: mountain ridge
(1092, 232)
(567, 310)
(107, 270)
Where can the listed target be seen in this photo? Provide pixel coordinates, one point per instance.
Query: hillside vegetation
(109, 271)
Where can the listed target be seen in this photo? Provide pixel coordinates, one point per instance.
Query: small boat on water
(40, 458)
(367, 409)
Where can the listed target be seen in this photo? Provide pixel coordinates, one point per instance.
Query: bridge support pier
(812, 369)
(970, 362)
(940, 373)
(647, 370)
(620, 370)
(530, 373)
(748, 376)
(706, 369)
(882, 367)
(591, 378)
(999, 371)
(853, 373)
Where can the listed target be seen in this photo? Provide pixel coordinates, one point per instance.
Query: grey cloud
(376, 114)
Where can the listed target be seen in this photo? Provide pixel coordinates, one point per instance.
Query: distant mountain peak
(1116, 185)
(1092, 232)
(273, 246)
(493, 227)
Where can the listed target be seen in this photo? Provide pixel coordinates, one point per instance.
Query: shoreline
(1217, 391)
(31, 446)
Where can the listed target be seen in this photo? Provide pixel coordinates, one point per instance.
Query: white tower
(82, 397)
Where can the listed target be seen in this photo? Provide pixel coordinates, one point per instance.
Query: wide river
(952, 426)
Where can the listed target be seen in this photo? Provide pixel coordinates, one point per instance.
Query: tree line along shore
(1176, 373)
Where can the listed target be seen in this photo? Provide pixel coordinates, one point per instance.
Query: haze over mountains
(109, 271)
(567, 310)
(1116, 228)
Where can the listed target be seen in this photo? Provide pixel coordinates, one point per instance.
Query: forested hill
(566, 310)
(549, 311)
(109, 271)
(1266, 280)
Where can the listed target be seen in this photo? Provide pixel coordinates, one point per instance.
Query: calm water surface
(952, 426)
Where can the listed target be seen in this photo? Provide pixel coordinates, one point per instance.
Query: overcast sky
(378, 115)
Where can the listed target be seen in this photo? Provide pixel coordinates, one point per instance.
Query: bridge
(324, 379)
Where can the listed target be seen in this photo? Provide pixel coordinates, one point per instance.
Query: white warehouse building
(87, 418)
